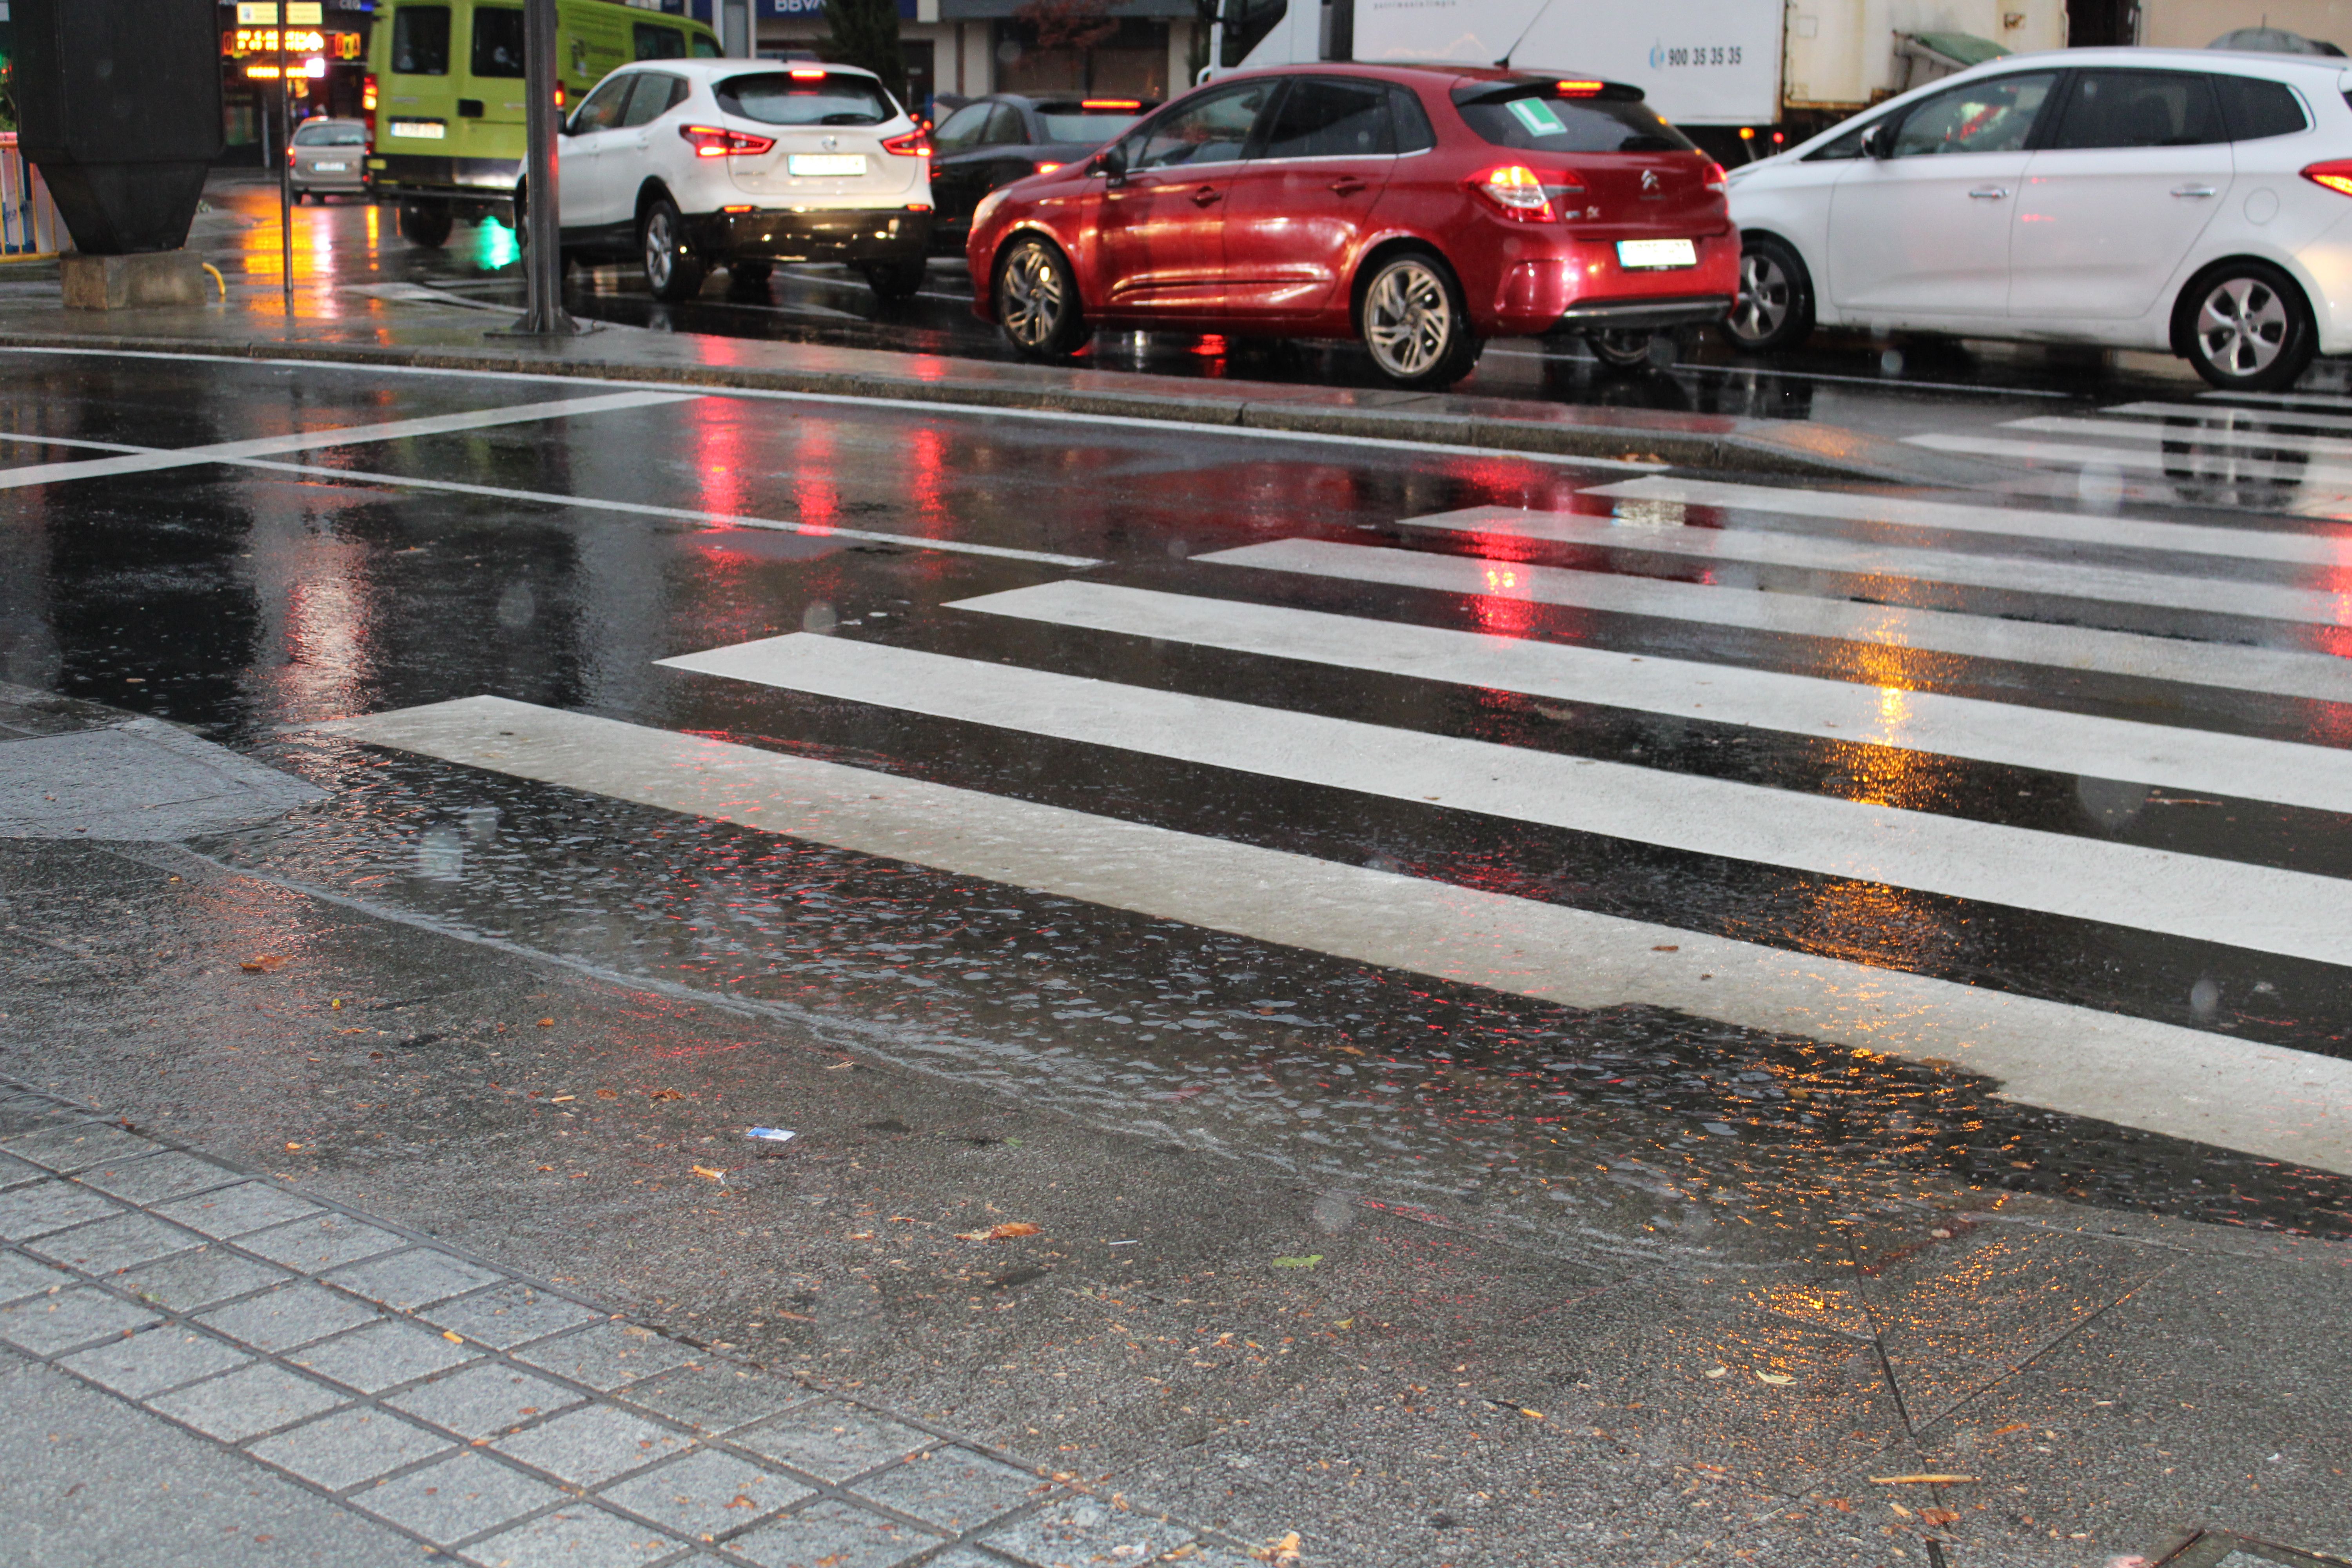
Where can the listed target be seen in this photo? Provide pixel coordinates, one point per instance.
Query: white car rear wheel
(2246, 328)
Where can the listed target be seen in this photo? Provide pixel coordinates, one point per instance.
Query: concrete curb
(1794, 448)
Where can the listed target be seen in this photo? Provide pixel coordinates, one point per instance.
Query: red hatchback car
(1421, 209)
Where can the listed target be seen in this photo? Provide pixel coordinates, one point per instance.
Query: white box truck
(1712, 67)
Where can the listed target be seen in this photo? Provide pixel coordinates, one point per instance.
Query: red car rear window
(1538, 117)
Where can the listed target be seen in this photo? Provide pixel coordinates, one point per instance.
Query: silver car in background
(328, 156)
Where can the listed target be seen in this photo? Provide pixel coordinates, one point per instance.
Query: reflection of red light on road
(719, 457)
(930, 463)
(815, 498)
(1211, 346)
(1504, 609)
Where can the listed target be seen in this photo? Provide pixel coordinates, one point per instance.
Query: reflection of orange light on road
(1894, 706)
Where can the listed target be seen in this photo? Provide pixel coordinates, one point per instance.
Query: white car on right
(2190, 200)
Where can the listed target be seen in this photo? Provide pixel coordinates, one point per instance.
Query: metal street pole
(285, 170)
(542, 262)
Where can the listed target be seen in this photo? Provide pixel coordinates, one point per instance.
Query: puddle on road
(1629, 1129)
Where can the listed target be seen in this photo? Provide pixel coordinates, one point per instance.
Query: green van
(445, 100)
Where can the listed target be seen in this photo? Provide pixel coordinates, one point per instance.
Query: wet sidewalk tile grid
(483, 1413)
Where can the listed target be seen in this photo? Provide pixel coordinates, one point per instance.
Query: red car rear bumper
(1577, 284)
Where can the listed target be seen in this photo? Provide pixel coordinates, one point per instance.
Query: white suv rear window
(780, 98)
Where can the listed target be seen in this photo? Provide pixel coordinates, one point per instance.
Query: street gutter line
(2267, 1101)
(1135, 423)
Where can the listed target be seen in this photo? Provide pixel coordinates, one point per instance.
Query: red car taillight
(1521, 194)
(710, 142)
(914, 143)
(2335, 174)
(1046, 168)
(1716, 179)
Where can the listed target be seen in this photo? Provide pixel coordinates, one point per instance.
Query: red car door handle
(1205, 195)
(1347, 185)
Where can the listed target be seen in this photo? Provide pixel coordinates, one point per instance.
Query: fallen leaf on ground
(608, 1094)
(664, 1094)
(547, 1167)
(263, 963)
(1284, 1550)
(562, 1097)
(707, 1171)
(1309, 1261)
(547, 1023)
(742, 1501)
(1715, 1372)
(1939, 1516)
(1005, 1232)
(292, 1147)
(1530, 1414)
(455, 1339)
(2005, 1431)
(1900, 1510)
(1931, 1477)
(1776, 1379)
(362, 1029)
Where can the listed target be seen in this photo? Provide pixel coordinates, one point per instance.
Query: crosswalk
(2256, 451)
(1672, 706)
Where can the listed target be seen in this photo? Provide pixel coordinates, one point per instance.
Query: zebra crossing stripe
(2236, 1094)
(2318, 549)
(2258, 908)
(2131, 430)
(2209, 414)
(2012, 573)
(1842, 710)
(2121, 457)
(2279, 671)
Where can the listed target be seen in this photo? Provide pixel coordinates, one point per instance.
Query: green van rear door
(490, 90)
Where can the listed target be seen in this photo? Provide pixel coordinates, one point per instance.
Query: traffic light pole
(543, 257)
(285, 172)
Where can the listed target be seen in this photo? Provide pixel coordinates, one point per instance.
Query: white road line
(2121, 457)
(553, 498)
(2215, 413)
(2312, 547)
(2283, 673)
(2014, 573)
(2235, 1094)
(342, 436)
(2284, 399)
(2257, 908)
(2134, 430)
(1919, 721)
(984, 412)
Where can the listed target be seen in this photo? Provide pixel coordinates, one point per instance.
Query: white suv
(2184, 199)
(697, 164)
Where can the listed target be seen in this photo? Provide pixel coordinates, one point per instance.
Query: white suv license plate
(330, 168)
(826, 164)
(1656, 253)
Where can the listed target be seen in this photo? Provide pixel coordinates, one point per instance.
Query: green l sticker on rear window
(1537, 116)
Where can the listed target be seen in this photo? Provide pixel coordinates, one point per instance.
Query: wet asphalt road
(253, 604)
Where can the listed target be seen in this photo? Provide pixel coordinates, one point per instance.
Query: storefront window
(1132, 63)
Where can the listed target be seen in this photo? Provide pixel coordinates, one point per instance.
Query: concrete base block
(125, 282)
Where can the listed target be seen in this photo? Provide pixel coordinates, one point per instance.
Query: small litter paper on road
(771, 1135)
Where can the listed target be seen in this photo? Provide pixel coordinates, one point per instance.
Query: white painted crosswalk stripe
(2276, 1103)
(2320, 549)
(2192, 760)
(2210, 414)
(2266, 441)
(2257, 908)
(2121, 457)
(2281, 399)
(343, 435)
(2012, 574)
(2279, 671)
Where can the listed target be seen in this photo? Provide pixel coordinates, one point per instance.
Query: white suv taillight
(914, 143)
(2335, 174)
(710, 142)
(1521, 194)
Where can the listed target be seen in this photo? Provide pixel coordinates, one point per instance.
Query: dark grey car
(995, 140)
(329, 155)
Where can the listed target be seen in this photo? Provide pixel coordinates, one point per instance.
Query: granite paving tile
(350, 1447)
(953, 1487)
(417, 1278)
(191, 1281)
(157, 1178)
(72, 1145)
(316, 1244)
(714, 1396)
(592, 1445)
(48, 1324)
(22, 1276)
(387, 1352)
(291, 1314)
(606, 1355)
(509, 1315)
(154, 1360)
(111, 1245)
(1082, 1532)
(234, 1211)
(706, 1494)
(247, 1402)
(481, 1400)
(832, 1534)
(43, 1206)
(579, 1536)
(461, 1496)
(833, 1441)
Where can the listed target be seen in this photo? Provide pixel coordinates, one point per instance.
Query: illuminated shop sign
(247, 41)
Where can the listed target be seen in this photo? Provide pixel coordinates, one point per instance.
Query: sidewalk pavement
(291, 1381)
(408, 325)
